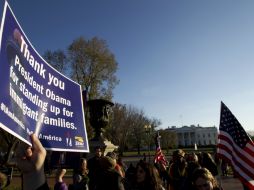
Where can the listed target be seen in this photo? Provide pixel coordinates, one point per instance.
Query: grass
(13, 187)
(152, 152)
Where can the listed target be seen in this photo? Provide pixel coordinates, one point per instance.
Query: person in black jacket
(108, 177)
(93, 165)
(209, 163)
(177, 171)
(80, 177)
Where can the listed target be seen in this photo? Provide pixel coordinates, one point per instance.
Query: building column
(183, 139)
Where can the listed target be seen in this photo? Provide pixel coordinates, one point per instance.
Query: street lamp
(148, 131)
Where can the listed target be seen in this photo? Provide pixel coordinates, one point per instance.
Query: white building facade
(201, 136)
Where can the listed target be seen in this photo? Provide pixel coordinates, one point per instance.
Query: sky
(178, 59)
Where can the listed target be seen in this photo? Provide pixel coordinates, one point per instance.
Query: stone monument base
(104, 144)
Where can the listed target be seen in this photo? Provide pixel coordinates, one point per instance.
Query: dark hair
(81, 169)
(97, 147)
(112, 155)
(107, 163)
(152, 179)
(208, 162)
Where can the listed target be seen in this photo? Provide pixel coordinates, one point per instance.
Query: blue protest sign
(34, 97)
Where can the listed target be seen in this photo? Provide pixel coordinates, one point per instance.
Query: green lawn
(152, 152)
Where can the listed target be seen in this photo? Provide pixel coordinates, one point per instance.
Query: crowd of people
(185, 171)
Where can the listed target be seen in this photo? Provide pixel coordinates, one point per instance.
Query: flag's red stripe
(242, 154)
(159, 157)
(247, 183)
(242, 167)
(241, 157)
(249, 164)
(238, 173)
(249, 148)
(245, 169)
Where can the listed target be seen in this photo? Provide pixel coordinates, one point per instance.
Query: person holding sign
(30, 160)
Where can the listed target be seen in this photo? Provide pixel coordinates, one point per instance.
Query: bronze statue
(99, 115)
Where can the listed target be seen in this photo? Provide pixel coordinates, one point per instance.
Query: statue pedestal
(99, 118)
(110, 147)
(104, 144)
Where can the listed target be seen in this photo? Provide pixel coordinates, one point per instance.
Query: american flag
(236, 147)
(159, 156)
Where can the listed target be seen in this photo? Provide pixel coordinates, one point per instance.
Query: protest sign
(34, 97)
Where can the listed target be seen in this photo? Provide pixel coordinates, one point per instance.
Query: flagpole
(219, 173)
(148, 132)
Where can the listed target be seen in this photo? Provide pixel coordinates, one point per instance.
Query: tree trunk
(11, 147)
(138, 146)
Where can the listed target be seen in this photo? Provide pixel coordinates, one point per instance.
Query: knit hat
(112, 155)
(178, 152)
(107, 163)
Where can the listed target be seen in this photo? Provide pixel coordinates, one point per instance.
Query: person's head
(112, 155)
(77, 179)
(141, 172)
(207, 158)
(107, 163)
(148, 175)
(3, 180)
(60, 174)
(192, 157)
(199, 155)
(98, 152)
(203, 179)
(120, 161)
(83, 163)
(178, 155)
(179, 158)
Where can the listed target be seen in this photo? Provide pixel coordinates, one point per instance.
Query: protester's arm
(30, 161)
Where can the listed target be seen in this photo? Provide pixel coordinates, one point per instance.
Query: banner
(34, 97)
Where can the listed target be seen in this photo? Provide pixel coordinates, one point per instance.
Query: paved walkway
(230, 183)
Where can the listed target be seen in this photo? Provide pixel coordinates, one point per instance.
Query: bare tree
(8, 145)
(90, 63)
(57, 59)
(93, 67)
(127, 128)
(168, 139)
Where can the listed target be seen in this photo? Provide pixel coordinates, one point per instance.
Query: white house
(188, 136)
